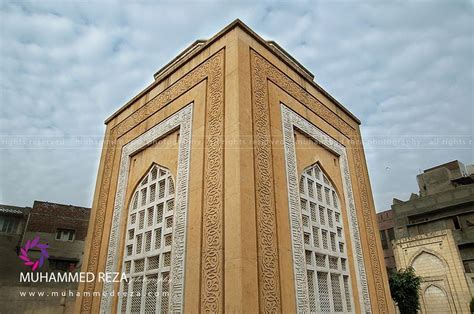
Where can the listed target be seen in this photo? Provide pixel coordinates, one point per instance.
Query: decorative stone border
(181, 120)
(291, 120)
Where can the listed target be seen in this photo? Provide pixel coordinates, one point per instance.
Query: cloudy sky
(404, 68)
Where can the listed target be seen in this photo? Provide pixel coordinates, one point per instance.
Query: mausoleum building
(234, 183)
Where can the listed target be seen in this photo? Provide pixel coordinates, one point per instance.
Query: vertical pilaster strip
(178, 252)
(212, 276)
(297, 242)
(96, 237)
(268, 269)
(182, 120)
(370, 229)
(291, 120)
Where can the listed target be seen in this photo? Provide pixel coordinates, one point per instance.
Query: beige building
(436, 258)
(234, 183)
(434, 233)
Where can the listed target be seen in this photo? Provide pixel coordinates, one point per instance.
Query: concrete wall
(452, 209)
(10, 264)
(441, 178)
(10, 287)
(68, 250)
(435, 181)
(55, 300)
(458, 201)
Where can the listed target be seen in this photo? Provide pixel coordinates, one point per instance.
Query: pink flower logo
(31, 245)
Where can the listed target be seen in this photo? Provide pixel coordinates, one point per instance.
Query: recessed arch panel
(437, 265)
(436, 300)
(175, 225)
(291, 122)
(148, 242)
(324, 243)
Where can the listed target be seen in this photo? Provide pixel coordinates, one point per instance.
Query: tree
(405, 289)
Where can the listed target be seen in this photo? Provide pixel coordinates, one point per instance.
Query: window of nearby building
(8, 224)
(65, 234)
(391, 234)
(62, 265)
(470, 222)
(324, 242)
(148, 240)
(456, 223)
(469, 266)
(383, 238)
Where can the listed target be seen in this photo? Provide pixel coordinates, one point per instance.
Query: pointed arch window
(324, 243)
(148, 239)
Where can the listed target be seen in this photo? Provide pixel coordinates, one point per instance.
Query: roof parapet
(200, 45)
(161, 73)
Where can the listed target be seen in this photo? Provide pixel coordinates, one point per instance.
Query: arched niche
(146, 259)
(163, 152)
(325, 246)
(310, 152)
(428, 263)
(436, 300)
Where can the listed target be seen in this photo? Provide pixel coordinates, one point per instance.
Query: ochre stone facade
(435, 257)
(214, 117)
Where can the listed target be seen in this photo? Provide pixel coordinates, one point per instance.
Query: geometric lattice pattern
(147, 253)
(326, 259)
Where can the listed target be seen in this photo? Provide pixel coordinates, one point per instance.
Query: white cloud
(405, 69)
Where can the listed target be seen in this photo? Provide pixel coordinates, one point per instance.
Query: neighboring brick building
(64, 228)
(387, 234)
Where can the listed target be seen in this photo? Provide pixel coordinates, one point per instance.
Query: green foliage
(471, 305)
(405, 289)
